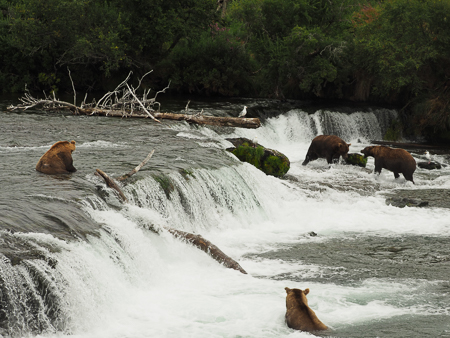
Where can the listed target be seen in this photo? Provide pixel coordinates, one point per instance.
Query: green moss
(276, 166)
(394, 132)
(187, 174)
(272, 165)
(356, 159)
(166, 184)
(250, 154)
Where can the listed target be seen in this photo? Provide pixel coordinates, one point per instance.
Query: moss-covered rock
(270, 161)
(356, 159)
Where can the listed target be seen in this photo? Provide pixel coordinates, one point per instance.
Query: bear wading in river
(398, 161)
(330, 147)
(299, 315)
(58, 159)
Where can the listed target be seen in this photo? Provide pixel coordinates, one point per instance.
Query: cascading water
(368, 265)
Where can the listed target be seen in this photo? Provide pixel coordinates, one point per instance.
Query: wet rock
(270, 161)
(429, 165)
(402, 202)
(356, 159)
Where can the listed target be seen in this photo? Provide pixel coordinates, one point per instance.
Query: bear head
(368, 151)
(343, 149)
(297, 295)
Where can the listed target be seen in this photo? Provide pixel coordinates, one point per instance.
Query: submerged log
(208, 247)
(110, 183)
(196, 240)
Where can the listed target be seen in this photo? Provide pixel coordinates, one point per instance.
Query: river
(76, 262)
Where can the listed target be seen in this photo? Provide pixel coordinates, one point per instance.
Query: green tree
(404, 45)
(215, 63)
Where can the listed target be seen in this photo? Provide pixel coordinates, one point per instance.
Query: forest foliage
(386, 51)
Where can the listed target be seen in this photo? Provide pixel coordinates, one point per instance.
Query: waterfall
(57, 286)
(297, 126)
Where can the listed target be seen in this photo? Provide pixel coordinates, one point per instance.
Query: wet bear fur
(330, 147)
(399, 161)
(58, 159)
(299, 316)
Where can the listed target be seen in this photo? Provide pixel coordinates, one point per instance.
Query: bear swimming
(58, 159)
(398, 161)
(326, 146)
(299, 316)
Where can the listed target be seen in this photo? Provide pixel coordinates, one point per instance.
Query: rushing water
(75, 261)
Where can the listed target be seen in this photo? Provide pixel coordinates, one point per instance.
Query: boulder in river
(270, 161)
(429, 165)
(402, 202)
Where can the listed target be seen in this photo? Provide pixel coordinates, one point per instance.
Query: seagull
(243, 112)
(428, 156)
(255, 141)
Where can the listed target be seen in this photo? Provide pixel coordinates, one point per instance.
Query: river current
(75, 261)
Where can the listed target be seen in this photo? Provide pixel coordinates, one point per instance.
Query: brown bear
(58, 159)
(299, 316)
(397, 160)
(330, 147)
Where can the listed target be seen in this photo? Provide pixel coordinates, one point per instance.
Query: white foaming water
(292, 132)
(130, 282)
(133, 283)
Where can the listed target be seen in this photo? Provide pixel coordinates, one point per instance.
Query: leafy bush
(216, 63)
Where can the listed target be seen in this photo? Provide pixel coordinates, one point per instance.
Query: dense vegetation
(387, 51)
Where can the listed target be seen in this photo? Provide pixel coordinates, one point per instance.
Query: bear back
(299, 315)
(58, 159)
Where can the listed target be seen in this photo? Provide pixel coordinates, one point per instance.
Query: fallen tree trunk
(239, 122)
(195, 240)
(113, 185)
(410, 145)
(208, 247)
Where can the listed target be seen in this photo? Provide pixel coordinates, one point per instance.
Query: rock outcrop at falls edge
(270, 161)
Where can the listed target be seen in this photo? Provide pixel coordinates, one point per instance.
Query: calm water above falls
(74, 261)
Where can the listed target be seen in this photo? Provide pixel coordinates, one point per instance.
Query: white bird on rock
(428, 156)
(255, 141)
(243, 112)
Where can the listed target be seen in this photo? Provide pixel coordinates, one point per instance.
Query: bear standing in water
(299, 316)
(330, 147)
(398, 161)
(58, 159)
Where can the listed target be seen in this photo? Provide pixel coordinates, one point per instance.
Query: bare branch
(73, 87)
(135, 170)
(141, 104)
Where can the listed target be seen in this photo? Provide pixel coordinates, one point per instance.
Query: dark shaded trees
(95, 38)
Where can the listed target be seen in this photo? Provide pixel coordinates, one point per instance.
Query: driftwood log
(208, 247)
(239, 122)
(196, 240)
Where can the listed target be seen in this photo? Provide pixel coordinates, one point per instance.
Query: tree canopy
(390, 51)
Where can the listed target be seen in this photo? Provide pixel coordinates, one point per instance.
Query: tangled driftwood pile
(124, 102)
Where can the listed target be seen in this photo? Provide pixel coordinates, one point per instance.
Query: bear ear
(306, 291)
(287, 290)
(73, 142)
(349, 144)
